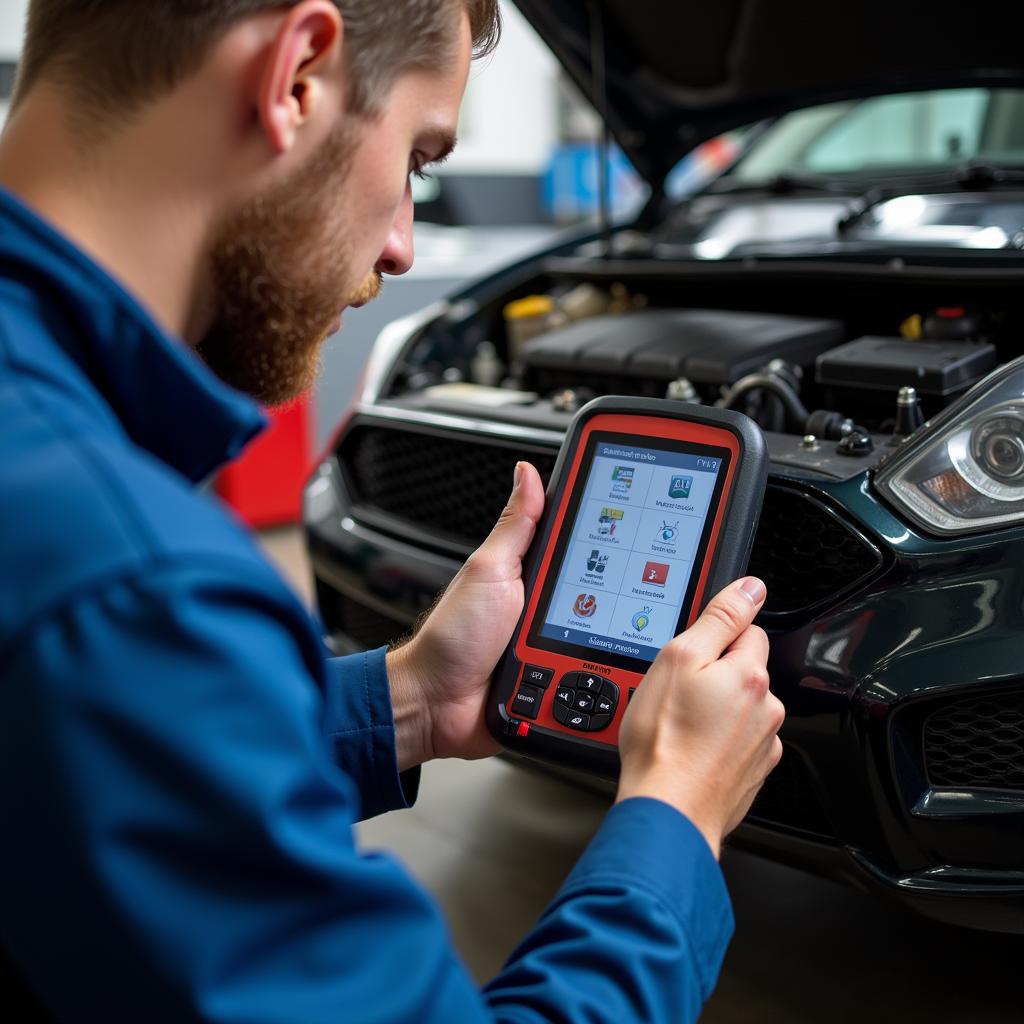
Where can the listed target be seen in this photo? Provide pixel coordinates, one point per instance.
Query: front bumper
(863, 676)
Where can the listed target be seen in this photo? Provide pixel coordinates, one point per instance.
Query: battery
(873, 369)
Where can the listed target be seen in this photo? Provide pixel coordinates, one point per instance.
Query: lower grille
(455, 488)
(977, 743)
(343, 614)
(788, 799)
(806, 554)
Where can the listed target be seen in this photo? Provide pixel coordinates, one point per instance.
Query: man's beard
(281, 276)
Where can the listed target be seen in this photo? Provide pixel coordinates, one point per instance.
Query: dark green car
(854, 282)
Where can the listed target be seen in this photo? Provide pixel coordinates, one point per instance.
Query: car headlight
(964, 472)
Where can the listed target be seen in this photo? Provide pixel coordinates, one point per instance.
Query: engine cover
(646, 350)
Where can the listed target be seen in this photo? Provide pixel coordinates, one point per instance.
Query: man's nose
(397, 255)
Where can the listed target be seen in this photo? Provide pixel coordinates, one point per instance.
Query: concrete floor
(805, 950)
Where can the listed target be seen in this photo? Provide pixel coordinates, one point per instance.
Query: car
(853, 280)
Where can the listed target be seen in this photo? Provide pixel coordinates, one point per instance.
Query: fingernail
(517, 477)
(754, 589)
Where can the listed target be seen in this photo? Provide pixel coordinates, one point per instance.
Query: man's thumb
(514, 530)
(727, 615)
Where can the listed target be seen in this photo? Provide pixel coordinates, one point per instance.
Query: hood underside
(678, 72)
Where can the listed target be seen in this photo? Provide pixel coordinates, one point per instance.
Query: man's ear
(308, 38)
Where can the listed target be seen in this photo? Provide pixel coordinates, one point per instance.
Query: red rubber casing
(728, 536)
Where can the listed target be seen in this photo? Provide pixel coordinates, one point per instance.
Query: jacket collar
(165, 397)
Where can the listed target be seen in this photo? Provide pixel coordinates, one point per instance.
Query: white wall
(12, 21)
(510, 117)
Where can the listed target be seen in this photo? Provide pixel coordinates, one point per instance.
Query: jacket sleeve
(637, 932)
(184, 847)
(360, 729)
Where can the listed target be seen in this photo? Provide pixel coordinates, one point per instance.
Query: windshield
(907, 132)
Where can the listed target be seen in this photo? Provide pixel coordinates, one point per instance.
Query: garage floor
(805, 950)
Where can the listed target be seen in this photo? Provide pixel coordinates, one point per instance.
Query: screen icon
(622, 479)
(642, 619)
(585, 605)
(668, 532)
(608, 520)
(656, 573)
(597, 562)
(680, 487)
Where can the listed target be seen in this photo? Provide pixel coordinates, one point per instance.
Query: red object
(524, 728)
(649, 427)
(656, 573)
(950, 312)
(264, 484)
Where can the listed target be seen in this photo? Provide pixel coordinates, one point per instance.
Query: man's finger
(727, 615)
(512, 534)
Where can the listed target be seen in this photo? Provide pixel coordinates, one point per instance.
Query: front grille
(453, 487)
(456, 487)
(977, 743)
(788, 799)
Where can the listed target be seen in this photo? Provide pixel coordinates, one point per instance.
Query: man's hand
(700, 732)
(440, 678)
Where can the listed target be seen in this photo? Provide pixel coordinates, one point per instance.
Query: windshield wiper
(974, 176)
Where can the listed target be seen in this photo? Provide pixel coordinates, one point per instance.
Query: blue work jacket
(181, 761)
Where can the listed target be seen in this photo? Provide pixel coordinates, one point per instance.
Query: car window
(904, 131)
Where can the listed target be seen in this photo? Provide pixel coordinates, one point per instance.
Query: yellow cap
(912, 328)
(532, 305)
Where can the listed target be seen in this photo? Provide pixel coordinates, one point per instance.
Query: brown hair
(116, 54)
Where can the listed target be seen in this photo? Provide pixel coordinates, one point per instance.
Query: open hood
(679, 72)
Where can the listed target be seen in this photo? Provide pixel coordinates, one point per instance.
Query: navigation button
(604, 706)
(527, 702)
(535, 675)
(561, 712)
(610, 690)
(564, 695)
(591, 684)
(599, 722)
(578, 721)
(583, 702)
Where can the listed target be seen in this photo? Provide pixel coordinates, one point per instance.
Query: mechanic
(191, 191)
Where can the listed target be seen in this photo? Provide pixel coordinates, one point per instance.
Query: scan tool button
(537, 676)
(577, 720)
(561, 712)
(604, 706)
(527, 702)
(590, 684)
(610, 690)
(599, 722)
(564, 695)
(583, 702)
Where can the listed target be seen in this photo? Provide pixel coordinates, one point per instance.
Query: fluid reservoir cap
(532, 305)
(856, 443)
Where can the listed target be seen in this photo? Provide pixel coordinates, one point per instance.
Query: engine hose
(795, 412)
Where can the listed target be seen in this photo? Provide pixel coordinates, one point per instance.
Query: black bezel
(638, 665)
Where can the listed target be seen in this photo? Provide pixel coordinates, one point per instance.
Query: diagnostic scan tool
(651, 510)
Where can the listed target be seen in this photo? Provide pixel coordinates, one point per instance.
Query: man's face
(289, 261)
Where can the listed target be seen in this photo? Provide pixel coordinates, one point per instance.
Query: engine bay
(837, 364)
